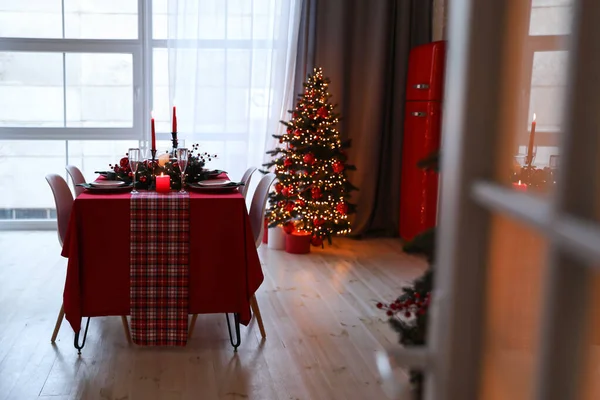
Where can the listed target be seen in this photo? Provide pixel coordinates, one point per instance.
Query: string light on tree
(313, 192)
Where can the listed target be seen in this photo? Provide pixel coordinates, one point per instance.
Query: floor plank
(323, 332)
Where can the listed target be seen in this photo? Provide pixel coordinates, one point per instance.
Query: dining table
(219, 256)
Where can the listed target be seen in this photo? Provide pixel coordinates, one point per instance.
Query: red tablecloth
(224, 268)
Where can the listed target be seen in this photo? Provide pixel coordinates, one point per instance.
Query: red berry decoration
(316, 193)
(338, 167)
(342, 208)
(322, 112)
(124, 162)
(379, 305)
(278, 187)
(288, 162)
(407, 314)
(317, 241)
(309, 159)
(289, 207)
(389, 313)
(289, 228)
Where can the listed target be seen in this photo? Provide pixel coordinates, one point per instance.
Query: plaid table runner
(159, 253)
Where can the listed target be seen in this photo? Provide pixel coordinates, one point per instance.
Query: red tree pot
(298, 242)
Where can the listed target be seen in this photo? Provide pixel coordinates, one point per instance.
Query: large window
(79, 78)
(546, 58)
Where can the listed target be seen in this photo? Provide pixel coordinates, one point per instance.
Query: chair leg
(192, 325)
(59, 320)
(126, 328)
(256, 312)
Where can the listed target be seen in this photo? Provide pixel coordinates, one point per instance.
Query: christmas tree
(312, 192)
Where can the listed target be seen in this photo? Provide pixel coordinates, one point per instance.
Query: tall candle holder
(152, 185)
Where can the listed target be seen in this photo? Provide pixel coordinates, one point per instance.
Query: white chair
(77, 178)
(246, 180)
(64, 204)
(257, 217)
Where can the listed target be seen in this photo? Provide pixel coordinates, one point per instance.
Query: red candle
(153, 132)
(174, 120)
(163, 183)
(521, 187)
(529, 160)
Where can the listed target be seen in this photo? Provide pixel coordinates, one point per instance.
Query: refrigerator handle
(418, 114)
(421, 86)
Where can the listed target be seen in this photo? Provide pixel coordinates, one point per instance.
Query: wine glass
(182, 161)
(135, 157)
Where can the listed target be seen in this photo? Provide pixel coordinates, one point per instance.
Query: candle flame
(163, 174)
(519, 182)
(534, 116)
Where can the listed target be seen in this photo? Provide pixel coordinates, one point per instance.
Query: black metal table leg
(77, 346)
(238, 338)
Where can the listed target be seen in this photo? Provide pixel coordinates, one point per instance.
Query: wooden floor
(323, 332)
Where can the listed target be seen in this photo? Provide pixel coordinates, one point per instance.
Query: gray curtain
(363, 47)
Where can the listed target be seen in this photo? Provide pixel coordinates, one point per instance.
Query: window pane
(31, 89)
(160, 20)
(101, 19)
(96, 155)
(31, 18)
(160, 95)
(23, 167)
(551, 17)
(99, 90)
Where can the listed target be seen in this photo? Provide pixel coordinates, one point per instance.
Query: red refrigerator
(422, 129)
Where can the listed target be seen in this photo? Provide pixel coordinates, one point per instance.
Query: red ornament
(289, 228)
(316, 193)
(295, 114)
(124, 163)
(288, 162)
(301, 203)
(297, 132)
(316, 241)
(309, 159)
(338, 167)
(286, 191)
(278, 187)
(289, 206)
(281, 204)
(342, 208)
(289, 129)
(280, 140)
(322, 112)
(318, 221)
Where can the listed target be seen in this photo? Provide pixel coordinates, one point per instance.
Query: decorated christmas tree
(312, 192)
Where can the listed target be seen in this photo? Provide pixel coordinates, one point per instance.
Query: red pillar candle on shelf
(298, 242)
(163, 183)
(521, 187)
(153, 132)
(529, 160)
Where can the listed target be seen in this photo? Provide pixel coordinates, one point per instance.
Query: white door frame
(484, 68)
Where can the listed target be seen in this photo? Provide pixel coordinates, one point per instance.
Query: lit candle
(153, 131)
(174, 120)
(521, 187)
(163, 183)
(529, 160)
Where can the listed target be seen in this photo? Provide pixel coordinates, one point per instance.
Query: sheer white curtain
(231, 75)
